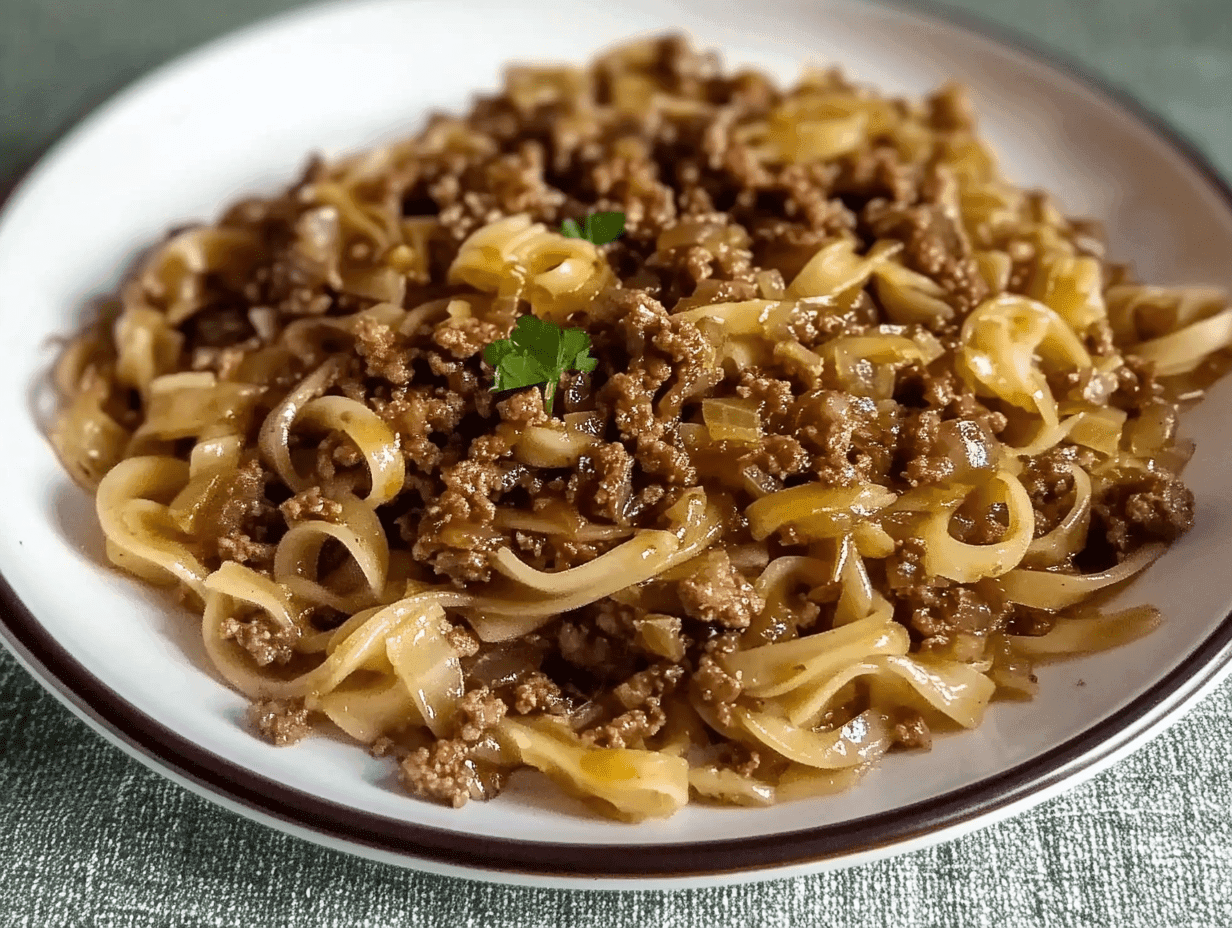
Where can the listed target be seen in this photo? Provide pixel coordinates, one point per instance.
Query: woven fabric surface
(92, 838)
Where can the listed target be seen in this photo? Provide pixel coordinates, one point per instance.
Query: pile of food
(842, 432)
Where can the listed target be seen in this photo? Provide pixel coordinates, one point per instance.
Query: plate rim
(398, 841)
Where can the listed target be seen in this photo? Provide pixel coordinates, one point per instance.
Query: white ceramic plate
(240, 116)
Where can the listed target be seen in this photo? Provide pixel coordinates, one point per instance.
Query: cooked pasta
(871, 432)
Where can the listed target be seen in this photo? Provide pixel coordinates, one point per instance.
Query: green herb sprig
(538, 352)
(597, 228)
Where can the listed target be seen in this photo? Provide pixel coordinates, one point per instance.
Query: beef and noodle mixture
(869, 432)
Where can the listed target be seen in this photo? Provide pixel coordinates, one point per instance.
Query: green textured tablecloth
(90, 837)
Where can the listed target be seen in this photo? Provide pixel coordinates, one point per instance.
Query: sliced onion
(1081, 635)
(1041, 589)
(1182, 351)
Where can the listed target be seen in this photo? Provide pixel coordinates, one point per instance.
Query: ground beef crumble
(911, 731)
(378, 345)
(280, 721)
(480, 711)
(641, 697)
(444, 773)
(310, 503)
(1142, 508)
(718, 593)
(448, 771)
(260, 637)
(711, 681)
(538, 693)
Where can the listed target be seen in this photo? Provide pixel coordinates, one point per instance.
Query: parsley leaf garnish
(538, 352)
(597, 228)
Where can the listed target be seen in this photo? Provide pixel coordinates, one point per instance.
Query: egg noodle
(872, 431)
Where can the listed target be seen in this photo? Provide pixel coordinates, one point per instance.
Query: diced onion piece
(757, 483)
(540, 446)
(872, 541)
(1153, 429)
(876, 349)
(1098, 429)
(792, 352)
(661, 635)
(215, 454)
(968, 446)
(770, 284)
(930, 348)
(1011, 671)
(732, 420)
